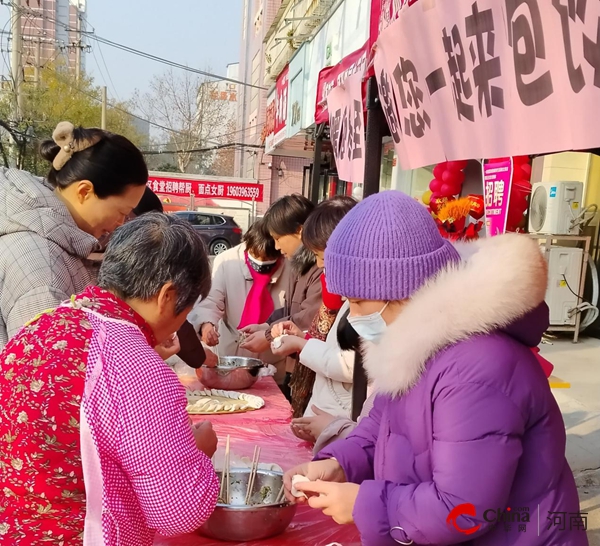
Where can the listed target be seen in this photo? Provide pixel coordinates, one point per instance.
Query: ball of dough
(278, 341)
(298, 478)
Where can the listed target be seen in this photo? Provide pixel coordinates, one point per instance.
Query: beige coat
(231, 282)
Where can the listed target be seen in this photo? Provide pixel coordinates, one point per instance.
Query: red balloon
(457, 165)
(514, 219)
(453, 178)
(526, 168)
(521, 159)
(438, 171)
(449, 190)
(435, 185)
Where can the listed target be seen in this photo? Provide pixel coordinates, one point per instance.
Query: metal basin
(233, 373)
(262, 519)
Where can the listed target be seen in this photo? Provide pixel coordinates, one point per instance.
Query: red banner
(206, 189)
(277, 109)
(332, 76)
(383, 14)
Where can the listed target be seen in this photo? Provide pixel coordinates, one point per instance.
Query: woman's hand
(289, 345)
(211, 360)
(168, 348)
(312, 427)
(336, 500)
(256, 342)
(253, 328)
(209, 334)
(206, 439)
(328, 470)
(286, 327)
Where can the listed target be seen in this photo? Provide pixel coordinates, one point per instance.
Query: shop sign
(492, 79)
(277, 111)
(333, 76)
(347, 129)
(497, 180)
(206, 188)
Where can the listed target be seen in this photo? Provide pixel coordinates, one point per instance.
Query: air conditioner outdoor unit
(554, 206)
(564, 276)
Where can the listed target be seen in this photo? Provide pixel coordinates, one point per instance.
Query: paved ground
(580, 365)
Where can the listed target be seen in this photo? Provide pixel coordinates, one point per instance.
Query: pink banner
(347, 128)
(206, 188)
(332, 76)
(490, 79)
(497, 180)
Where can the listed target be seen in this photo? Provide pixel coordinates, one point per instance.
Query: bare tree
(223, 161)
(188, 107)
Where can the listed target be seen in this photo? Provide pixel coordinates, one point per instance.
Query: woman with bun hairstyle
(49, 227)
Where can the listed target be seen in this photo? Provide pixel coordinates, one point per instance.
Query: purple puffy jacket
(465, 415)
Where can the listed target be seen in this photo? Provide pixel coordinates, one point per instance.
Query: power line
(137, 52)
(203, 150)
(212, 139)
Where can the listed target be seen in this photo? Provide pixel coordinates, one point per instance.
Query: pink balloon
(438, 171)
(457, 165)
(435, 185)
(453, 178)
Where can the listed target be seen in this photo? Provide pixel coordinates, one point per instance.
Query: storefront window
(412, 182)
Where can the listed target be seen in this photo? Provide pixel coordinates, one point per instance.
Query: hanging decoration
(448, 178)
(453, 218)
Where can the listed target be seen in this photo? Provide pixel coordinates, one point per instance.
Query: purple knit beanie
(385, 249)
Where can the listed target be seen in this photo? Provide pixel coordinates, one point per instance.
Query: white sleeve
(211, 309)
(327, 359)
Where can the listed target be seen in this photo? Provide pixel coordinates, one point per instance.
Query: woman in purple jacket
(465, 442)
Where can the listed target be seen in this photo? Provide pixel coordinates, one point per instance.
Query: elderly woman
(95, 443)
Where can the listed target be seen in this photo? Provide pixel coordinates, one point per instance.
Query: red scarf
(259, 304)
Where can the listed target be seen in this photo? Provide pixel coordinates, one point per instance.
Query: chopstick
(280, 495)
(224, 490)
(228, 463)
(252, 476)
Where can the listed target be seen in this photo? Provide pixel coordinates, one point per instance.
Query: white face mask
(259, 262)
(370, 327)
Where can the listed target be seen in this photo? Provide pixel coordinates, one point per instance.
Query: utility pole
(16, 61)
(38, 55)
(78, 45)
(104, 101)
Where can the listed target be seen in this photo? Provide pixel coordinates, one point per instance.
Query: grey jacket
(42, 251)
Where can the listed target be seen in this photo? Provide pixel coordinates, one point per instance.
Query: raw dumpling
(278, 341)
(298, 478)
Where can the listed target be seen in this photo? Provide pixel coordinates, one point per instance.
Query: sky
(198, 33)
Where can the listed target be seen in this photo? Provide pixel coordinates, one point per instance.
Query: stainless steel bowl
(262, 519)
(233, 373)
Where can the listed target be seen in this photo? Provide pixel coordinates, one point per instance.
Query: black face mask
(347, 337)
(262, 269)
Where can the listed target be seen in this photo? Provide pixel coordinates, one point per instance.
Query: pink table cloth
(269, 428)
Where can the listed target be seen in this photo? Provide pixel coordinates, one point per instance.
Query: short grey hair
(155, 249)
